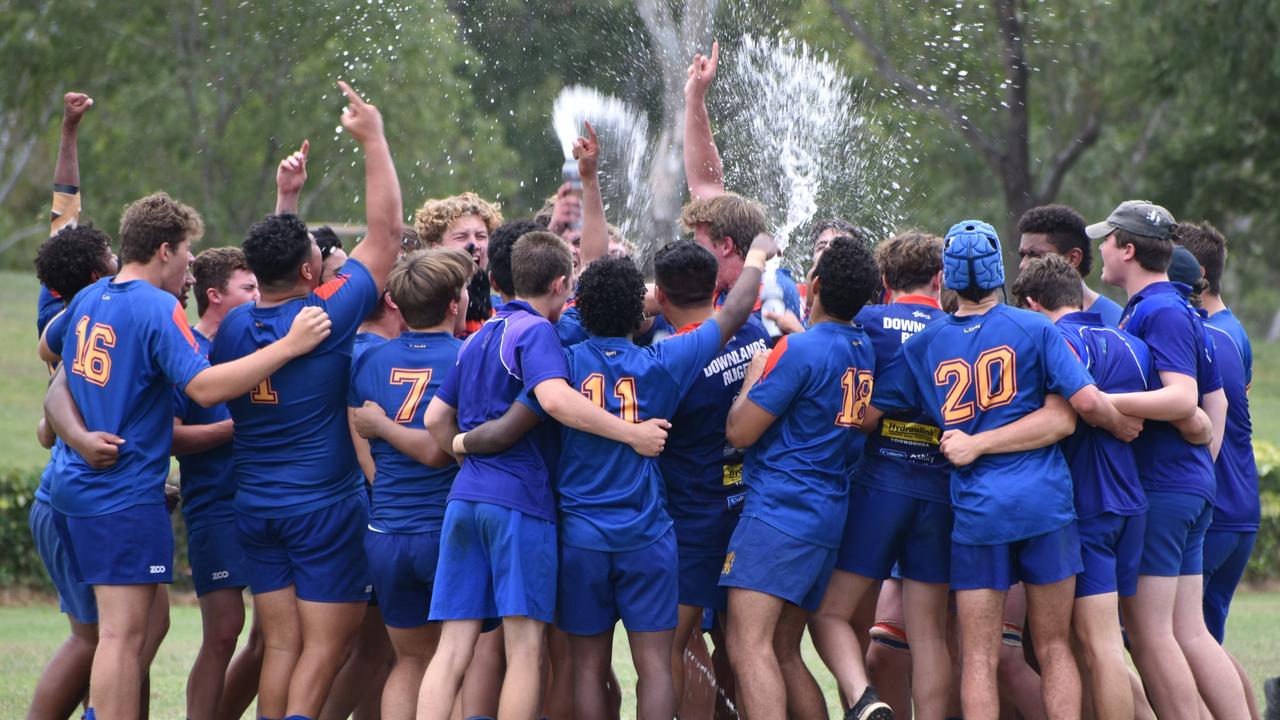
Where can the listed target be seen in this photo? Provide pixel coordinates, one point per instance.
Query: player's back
(126, 346)
(702, 473)
(402, 375)
(292, 446)
(611, 497)
(1103, 466)
(208, 478)
(981, 372)
(902, 454)
(816, 384)
(1236, 505)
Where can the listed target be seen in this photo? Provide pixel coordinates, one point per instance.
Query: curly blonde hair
(435, 216)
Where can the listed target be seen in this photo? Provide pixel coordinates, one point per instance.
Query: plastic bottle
(771, 298)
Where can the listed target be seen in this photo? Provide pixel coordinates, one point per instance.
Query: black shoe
(869, 707)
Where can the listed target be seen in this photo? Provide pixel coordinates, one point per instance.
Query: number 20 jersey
(981, 372)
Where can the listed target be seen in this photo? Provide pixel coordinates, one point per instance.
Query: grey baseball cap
(1139, 217)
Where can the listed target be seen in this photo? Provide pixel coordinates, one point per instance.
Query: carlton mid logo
(728, 563)
(221, 575)
(157, 569)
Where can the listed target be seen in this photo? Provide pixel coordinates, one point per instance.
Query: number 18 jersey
(981, 372)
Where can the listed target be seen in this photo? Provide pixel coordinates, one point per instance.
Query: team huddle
(447, 464)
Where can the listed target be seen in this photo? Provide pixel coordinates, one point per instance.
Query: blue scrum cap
(971, 257)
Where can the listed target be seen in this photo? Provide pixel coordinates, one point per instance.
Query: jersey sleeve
(1170, 335)
(684, 356)
(1209, 378)
(1065, 373)
(55, 333)
(181, 405)
(784, 378)
(174, 350)
(348, 298)
(48, 305)
(541, 355)
(895, 388)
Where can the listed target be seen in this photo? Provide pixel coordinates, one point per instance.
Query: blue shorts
(765, 559)
(133, 546)
(885, 527)
(699, 580)
(403, 568)
(75, 598)
(1111, 548)
(217, 561)
(494, 562)
(598, 588)
(320, 553)
(1226, 555)
(1174, 542)
(1041, 560)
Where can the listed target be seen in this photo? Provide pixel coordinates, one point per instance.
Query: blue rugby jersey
(569, 326)
(402, 375)
(1108, 310)
(702, 473)
(125, 348)
(208, 478)
(981, 372)
(1102, 466)
(514, 352)
(1162, 318)
(1237, 506)
(48, 304)
(364, 341)
(292, 446)
(817, 384)
(902, 454)
(612, 498)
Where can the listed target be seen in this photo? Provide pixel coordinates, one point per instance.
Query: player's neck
(1140, 278)
(546, 305)
(680, 317)
(271, 298)
(146, 272)
(818, 315)
(1090, 297)
(387, 326)
(444, 327)
(979, 307)
(922, 291)
(209, 322)
(1211, 303)
(1056, 315)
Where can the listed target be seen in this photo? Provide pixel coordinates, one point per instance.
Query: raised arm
(741, 300)
(222, 382)
(702, 165)
(384, 208)
(595, 230)
(66, 174)
(291, 175)
(1037, 429)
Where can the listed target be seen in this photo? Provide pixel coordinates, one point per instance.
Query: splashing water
(797, 137)
(625, 149)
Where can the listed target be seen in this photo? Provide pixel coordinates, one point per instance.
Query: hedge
(20, 566)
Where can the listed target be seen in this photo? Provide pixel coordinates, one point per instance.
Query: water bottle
(771, 298)
(571, 176)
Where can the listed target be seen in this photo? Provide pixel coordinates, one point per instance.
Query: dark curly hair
(611, 297)
(276, 246)
(848, 277)
(686, 272)
(500, 242)
(67, 262)
(1065, 228)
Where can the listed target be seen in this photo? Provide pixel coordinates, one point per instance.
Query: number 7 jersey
(978, 373)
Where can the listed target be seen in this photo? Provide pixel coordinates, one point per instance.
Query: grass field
(28, 635)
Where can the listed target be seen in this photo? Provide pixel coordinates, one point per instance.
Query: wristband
(460, 444)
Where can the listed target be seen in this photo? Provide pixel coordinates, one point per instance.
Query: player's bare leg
(241, 684)
(1148, 618)
(1215, 675)
(1019, 683)
(804, 697)
(888, 668)
(924, 609)
(689, 622)
(833, 635)
(115, 684)
(522, 685)
(413, 650)
(64, 683)
(363, 672)
(724, 672)
(221, 620)
(557, 700)
(753, 618)
(444, 673)
(282, 644)
(1097, 627)
(1141, 705)
(981, 613)
(1249, 696)
(328, 629)
(651, 655)
(157, 629)
(591, 657)
(1049, 616)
